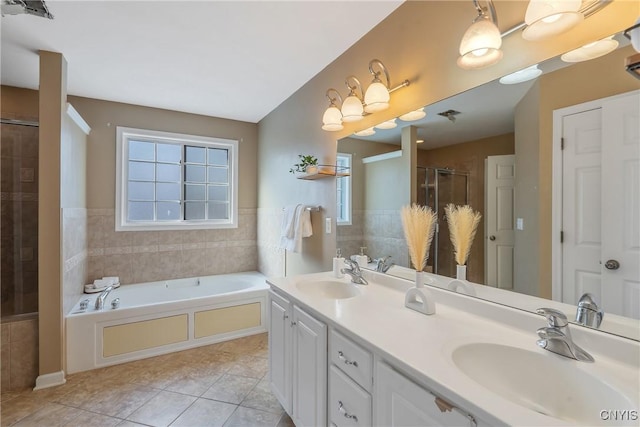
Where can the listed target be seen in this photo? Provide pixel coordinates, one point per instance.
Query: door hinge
(562, 237)
(562, 143)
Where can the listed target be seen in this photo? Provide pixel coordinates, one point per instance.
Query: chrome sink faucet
(355, 272)
(381, 264)
(588, 312)
(102, 297)
(556, 337)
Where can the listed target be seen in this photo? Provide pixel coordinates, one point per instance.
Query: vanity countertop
(422, 346)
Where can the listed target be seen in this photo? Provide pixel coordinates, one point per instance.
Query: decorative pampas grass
(418, 223)
(463, 223)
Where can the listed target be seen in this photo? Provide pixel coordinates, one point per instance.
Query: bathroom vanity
(342, 354)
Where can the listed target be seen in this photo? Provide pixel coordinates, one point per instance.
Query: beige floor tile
(162, 409)
(91, 419)
(263, 400)
(127, 423)
(121, 401)
(249, 366)
(50, 415)
(231, 388)
(193, 385)
(248, 417)
(205, 412)
(18, 408)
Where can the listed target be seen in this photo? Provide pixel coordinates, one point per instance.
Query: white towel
(295, 226)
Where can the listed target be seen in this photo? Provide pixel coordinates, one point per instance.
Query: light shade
(332, 119)
(527, 74)
(413, 115)
(480, 45)
(634, 35)
(389, 124)
(377, 97)
(365, 132)
(591, 51)
(545, 18)
(352, 109)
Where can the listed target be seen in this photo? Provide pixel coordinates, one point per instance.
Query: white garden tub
(161, 317)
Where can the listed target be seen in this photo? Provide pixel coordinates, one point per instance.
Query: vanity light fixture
(355, 106)
(352, 108)
(546, 18)
(521, 76)
(389, 124)
(332, 117)
(365, 132)
(419, 141)
(413, 115)
(633, 34)
(591, 51)
(480, 45)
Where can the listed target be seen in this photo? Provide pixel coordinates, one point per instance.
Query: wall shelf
(325, 171)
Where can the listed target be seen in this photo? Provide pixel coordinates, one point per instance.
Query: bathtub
(161, 317)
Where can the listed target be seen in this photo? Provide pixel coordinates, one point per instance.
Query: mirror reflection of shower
(19, 233)
(437, 187)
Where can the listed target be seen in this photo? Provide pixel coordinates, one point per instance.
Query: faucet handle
(353, 265)
(556, 318)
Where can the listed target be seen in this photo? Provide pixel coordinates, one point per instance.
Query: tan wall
(402, 42)
(52, 105)
(18, 103)
(469, 157)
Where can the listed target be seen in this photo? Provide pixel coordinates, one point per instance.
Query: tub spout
(102, 297)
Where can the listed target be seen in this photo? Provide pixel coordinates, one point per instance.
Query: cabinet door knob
(345, 413)
(492, 238)
(286, 316)
(293, 324)
(345, 360)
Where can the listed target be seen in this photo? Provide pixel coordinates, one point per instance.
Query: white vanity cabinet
(401, 402)
(298, 361)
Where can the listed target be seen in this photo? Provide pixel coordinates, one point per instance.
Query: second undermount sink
(330, 289)
(545, 383)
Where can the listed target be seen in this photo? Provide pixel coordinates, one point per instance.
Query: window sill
(175, 226)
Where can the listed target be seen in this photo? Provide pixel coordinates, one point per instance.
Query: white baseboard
(50, 380)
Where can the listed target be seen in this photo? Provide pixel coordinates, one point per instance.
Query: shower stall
(437, 187)
(19, 224)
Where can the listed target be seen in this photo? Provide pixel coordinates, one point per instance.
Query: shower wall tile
(19, 355)
(143, 256)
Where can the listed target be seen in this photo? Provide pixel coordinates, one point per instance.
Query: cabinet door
(280, 349)
(309, 370)
(401, 402)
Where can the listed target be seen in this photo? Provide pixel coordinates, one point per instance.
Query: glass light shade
(521, 76)
(365, 132)
(480, 45)
(413, 115)
(332, 119)
(376, 98)
(389, 124)
(545, 18)
(635, 36)
(352, 109)
(591, 50)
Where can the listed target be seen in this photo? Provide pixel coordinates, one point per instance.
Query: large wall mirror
(492, 148)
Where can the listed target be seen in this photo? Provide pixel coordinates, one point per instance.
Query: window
(343, 190)
(172, 181)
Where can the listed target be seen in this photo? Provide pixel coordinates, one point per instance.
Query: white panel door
(621, 204)
(280, 349)
(499, 217)
(581, 205)
(309, 370)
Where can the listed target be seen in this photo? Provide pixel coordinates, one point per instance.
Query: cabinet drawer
(349, 404)
(354, 360)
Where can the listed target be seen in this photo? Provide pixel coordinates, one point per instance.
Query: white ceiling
(231, 59)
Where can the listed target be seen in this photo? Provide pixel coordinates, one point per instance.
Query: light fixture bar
(400, 86)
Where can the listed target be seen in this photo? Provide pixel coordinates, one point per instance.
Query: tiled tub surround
(165, 316)
(19, 354)
(221, 384)
(146, 256)
(74, 255)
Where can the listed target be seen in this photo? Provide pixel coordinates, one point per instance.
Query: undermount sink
(330, 289)
(547, 384)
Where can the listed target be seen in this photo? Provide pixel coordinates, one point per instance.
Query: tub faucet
(354, 272)
(102, 297)
(381, 264)
(556, 337)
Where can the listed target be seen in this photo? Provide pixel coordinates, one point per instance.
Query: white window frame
(124, 134)
(347, 200)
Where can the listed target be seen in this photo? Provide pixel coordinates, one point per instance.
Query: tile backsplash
(144, 256)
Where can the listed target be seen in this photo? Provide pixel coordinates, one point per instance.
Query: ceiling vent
(29, 7)
(450, 114)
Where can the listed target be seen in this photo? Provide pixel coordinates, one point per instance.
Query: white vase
(461, 272)
(420, 277)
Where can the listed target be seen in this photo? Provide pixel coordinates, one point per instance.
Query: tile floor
(224, 384)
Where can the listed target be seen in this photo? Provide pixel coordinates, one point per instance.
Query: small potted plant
(308, 164)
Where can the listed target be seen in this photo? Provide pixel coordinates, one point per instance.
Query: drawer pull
(286, 316)
(345, 360)
(345, 413)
